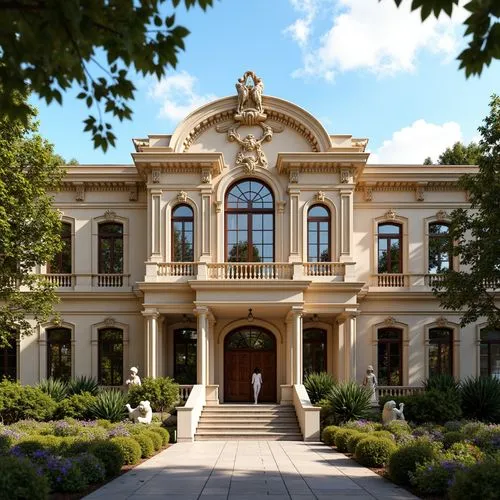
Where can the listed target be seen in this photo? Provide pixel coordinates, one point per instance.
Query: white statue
(390, 412)
(242, 90)
(256, 92)
(143, 414)
(134, 379)
(370, 382)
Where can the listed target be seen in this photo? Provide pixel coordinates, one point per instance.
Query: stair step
(238, 420)
(275, 436)
(211, 425)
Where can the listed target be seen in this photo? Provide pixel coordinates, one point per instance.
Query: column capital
(151, 313)
(294, 312)
(198, 310)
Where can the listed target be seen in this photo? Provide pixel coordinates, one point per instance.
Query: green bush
(405, 460)
(31, 444)
(383, 434)
(130, 448)
(65, 475)
(452, 437)
(105, 424)
(155, 438)
(354, 439)
(31, 427)
(347, 401)
(488, 439)
(373, 451)
(19, 480)
(481, 398)
(471, 429)
(318, 385)
(110, 455)
(341, 438)
(479, 481)
(398, 428)
(76, 406)
(360, 425)
(328, 434)
(161, 392)
(434, 478)
(146, 444)
(433, 406)
(81, 384)
(464, 453)
(442, 383)
(92, 468)
(19, 402)
(109, 405)
(56, 388)
(164, 434)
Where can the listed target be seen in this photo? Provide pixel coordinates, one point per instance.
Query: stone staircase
(246, 421)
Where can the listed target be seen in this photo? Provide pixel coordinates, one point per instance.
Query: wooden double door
(245, 349)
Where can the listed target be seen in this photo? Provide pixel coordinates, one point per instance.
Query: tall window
(110, 248)
(61, 264)
(110, 371)
(318, 234)
(59, 353)
(390, 355)
(314, 350)
(182, 234)
(440, 248)
(489, 358)
(440, 351)
(249, 222)
(390, 248)
(8, 361)
(185, 355)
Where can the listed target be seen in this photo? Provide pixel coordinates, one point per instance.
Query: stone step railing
(250, 271)
(324, 269)
(185, 391)
(398, 390)
(177, 268)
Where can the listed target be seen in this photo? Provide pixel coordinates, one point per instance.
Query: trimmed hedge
(374, 451)
(328, 434)
(130, 448)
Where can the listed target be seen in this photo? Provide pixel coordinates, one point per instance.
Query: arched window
(252, 338)
(182, 234)
(390, 256)
(440, 248)
(314, 350)
(185, 355)
(318, 234)
(59, 353)
(440, 351)
(249, 215)
(61, 263)
(110, 361)
(110, 248)
(390, 356)
(489, 354)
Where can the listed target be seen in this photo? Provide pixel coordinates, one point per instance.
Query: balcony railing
(177, 268)
(61, 280)
(110, 280)
(324, 269)
(250, 271)
(398, 390)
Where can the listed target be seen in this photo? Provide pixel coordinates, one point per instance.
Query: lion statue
(143, 414)
(390, 412)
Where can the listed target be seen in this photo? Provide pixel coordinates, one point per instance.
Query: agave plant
(481, 398)
(109, 405)
(83, 383)
(56, 388)
(347, 401)
(442, 382)
(318, 385)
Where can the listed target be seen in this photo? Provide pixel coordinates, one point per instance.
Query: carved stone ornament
(109, 322)
(281, 206)
(441, 322)
(80, 192)
(251, 154)
(293, 176)
(250, 110)
(182, 196)
(390, 214)
(133, 194)
(389, 321)
(109, 214)
(368, 193)
(218, 206)
(441, 215)
(319, 196)
(419, 193)
(346, 176)
(206, 176)
(155, 175)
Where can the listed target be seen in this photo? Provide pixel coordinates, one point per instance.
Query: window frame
(183, 220)
(110, 236)
(113, 369)
(400, 342)
(67, 243)
(488, 343)
(439, 342)
(389, 237)
(324, 341)
(317, 220)
(10, 353)
(185, 344)
(59, 343)
(440, 236)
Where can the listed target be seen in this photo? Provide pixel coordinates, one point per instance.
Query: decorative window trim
(94, 345)
(442, 218)
(405, 346)
(455, 328)
(166, 242)
(479, 327)
(42, 347)
(18, 357)
(71, 221)
(393, 219)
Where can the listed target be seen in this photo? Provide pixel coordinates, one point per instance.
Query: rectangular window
(390, 248)
(110, 362)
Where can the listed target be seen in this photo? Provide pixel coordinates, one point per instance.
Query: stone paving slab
(227, 470)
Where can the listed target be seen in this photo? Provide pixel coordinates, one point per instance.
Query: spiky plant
(481, 398)
(80, 384)
(348, 401)
(109, 405)
(318, 385)
(442, 382)
(56, 388)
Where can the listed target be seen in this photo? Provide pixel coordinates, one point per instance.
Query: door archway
(246, 348)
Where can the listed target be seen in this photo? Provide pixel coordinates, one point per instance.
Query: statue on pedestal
(390, 412)
(370, 382)
(133, 379)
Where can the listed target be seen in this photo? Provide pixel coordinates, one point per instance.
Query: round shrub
(19, 480)
(105, 424)
(110, 455)
(161, 392)
(434, 479)
(146, 444)
(464, 453)
(452, 437)
(374, 451)
(163, 433)
(155, 438)
(92, 468)
(360, 425)
(75, 406)
(471, 429)
(453, 426)
(488, 439)
(405, 460)
(130, 448)
(398, 428)
(341, 438)
(354, 439)
(328, 434)
(65, 474)
(479, 481)
(383, 434)
(32, 444)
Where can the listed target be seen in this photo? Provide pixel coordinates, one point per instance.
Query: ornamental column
(151, 347)
(297, 345)
(346, 214)
(350, 342)
(201, 345)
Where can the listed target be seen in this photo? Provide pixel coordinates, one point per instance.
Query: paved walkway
(210, 470)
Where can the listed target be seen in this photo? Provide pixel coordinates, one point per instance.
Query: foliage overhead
(51, 46)
(29, 225)
(476, 235)
(458, 154)
(481, 24)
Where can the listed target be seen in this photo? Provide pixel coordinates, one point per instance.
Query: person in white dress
(256, 383)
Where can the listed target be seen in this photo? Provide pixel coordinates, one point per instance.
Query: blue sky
(362, 67)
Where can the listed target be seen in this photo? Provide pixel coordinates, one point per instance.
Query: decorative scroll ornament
(250, 155)
(281, 206)
(346, 176)
(293, 176)
(389, 321)
(182, 196)
(250, 110)
(109, 214)
(390, 214)
(80, 192)
(419, 193)
(155, 175)
(218, 206)
(133, 194)
(320, 196)
(368, 193)
(441, 322)
(441, 215)
(109, 322)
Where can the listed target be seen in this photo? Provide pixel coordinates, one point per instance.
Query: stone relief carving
(281, 206)
(441, 322)
(389, 321)
(109, 322)
(320, 196)
(182, 196)
(346, 176)
(251, 154)
(109, 214)
(155, 175)
(206, 176)
(419, 193)
(441, 215)
(250, 109)
(133, 194)
(368, 193)
(80, 192)
(390, 214)
(218, 206)
(293, 176)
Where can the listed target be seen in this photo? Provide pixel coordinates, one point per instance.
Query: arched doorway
(245, 349)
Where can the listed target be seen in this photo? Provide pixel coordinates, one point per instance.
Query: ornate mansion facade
(251, 237)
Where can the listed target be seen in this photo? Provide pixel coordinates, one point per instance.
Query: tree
(476, 233)
(49, 46)
(29, 226)
(458, 154)
(481, 24)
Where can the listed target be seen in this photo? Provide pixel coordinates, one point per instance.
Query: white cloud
(372, 35)
(177, 96)
(418, 141)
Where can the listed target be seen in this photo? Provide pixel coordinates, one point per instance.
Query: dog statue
(143, 414)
